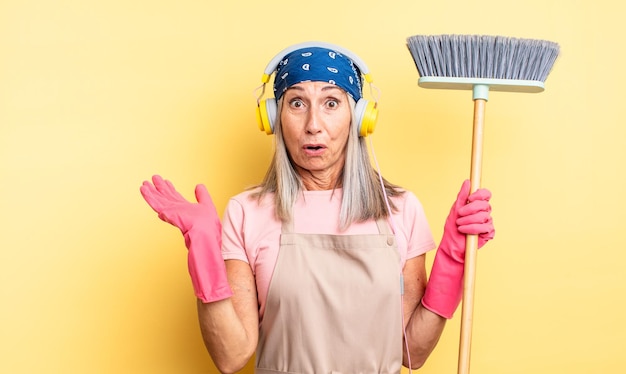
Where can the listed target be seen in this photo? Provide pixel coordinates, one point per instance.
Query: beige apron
(333, 305)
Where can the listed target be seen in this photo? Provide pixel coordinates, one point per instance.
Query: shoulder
(248, 225)
(247, 195)
(247, 208)
(413, 223)
(407, 201)
(249, 200)
(409, 210)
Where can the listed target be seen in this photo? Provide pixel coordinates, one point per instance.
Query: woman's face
(315, 121)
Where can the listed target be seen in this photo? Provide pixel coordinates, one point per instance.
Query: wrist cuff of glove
(445, 286)
(206, 267)
(210, 282)
(214, 294)
(444, 309)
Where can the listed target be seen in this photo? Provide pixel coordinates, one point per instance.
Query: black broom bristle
(482, 56)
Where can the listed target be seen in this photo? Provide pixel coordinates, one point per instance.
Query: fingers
(474, 207)
(202, 195)
(479, 194)
(474, 217)
(462, 196)
(484, 237)
(160, 194)
(476, 228)
(158, 182)
(150, 195)
(484, 231)
(165, 187)
(476, 202)
(173, 208)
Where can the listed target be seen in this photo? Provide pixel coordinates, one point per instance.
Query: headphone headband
(273, 64)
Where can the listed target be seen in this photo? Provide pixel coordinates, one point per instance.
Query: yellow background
(96, 96)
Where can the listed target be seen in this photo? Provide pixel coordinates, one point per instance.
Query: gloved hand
(470, 215)
(202, 230)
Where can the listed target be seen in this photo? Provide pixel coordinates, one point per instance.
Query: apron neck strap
(381, 223)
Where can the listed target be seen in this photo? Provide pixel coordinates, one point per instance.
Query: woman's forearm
(423, 331)
(224, 336)
(422, 327)
(230, 327)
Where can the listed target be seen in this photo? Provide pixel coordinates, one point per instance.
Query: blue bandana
(319, 65)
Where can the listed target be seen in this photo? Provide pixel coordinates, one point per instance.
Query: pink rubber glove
(470, 214)
(202, 230)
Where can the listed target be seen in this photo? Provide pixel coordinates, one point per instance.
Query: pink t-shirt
(251, 232)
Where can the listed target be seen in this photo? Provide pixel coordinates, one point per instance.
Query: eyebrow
(325, 88)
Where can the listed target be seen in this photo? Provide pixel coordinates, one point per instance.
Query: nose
(313, 121)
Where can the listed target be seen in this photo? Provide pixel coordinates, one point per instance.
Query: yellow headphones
(366, 112)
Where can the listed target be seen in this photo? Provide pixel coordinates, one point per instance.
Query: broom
(479, 63)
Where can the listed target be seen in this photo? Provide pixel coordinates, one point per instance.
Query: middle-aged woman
(322, 266)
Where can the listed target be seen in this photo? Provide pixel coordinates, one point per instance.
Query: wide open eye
(296, 103)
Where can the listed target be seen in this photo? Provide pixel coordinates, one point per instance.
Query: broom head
(498, 62)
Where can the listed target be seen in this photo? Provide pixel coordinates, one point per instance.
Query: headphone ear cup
(266, 115)
(366, 114)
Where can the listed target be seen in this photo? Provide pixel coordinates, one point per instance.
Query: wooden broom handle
(471, 243)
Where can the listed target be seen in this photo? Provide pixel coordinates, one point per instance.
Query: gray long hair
(363, 196)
